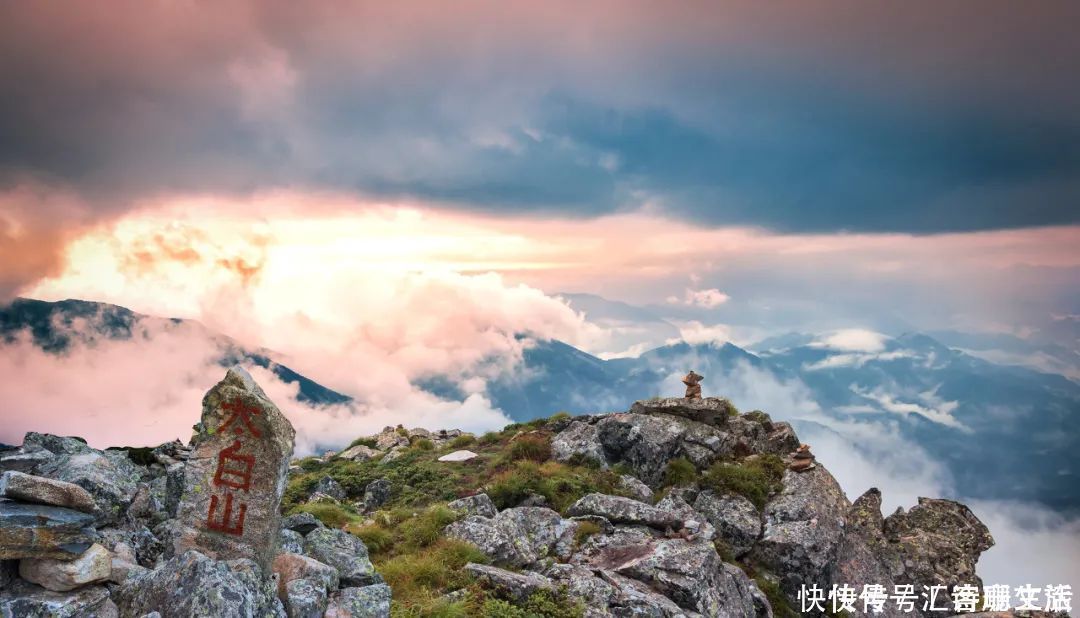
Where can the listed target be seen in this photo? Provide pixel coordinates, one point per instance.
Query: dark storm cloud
(921, 117)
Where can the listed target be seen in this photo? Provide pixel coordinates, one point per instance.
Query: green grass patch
(584, 530)
(680, 472)
(535, 447)
(462, 441)
(333, 515)
(777, 599)
(756, 478)
(560, 484)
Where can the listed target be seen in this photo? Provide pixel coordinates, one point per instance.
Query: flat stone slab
(711, 410)
(95, 565)
(41, 490)
(39, 531)
(458, 456)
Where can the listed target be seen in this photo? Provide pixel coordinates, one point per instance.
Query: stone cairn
(802, 459)
(693, 385)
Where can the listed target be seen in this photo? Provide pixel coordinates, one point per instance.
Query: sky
(380, 192)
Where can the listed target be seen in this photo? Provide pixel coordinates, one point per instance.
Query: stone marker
(693, 385)
(37, 531)
(28, 488)
(235, 476)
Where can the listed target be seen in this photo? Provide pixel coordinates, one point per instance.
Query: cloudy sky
(384, 191)
(431, 180)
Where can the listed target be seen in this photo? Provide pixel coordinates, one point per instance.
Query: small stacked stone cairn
(802, 459)
(693, 385)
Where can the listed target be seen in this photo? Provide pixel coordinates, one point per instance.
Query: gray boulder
(289, 567)
(619, 510)
(304, 598)
(804, 525)
(301, 522)
(580, 440)
(195, 586)
(359, 453)
(25, 600)
(111, 480)
(292, 542)
(330, 487)
(507, 584)
(480, 504)
(366, 602)
(710, 410)
(41, 490)
(344, 552)
(37, 531)
(376, 494)
(57, 445)
(24, 459)
(635, 489)
(736, 519)
(519, 536)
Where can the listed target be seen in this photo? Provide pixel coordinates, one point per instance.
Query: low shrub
(559, 416)
(462, 441)
(420, 579)
(679, 472)
(584, 530)
(532, 448)
(368, 442)
(560, 484)
(489, 438)
(542, 604)
(423, 444)
(755, 478)
(777, 599)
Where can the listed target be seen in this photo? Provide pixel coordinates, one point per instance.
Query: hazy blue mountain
(54, 325)
(1001, 431)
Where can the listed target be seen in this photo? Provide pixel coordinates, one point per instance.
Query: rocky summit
(679, 507)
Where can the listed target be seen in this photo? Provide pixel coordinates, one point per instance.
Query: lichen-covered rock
(376, 494)
(57, 445)
(304, 598)
(41, 490)
(863, 557)
(491, 538)
(235, 477)
(25, 600)
(390, 438)
(647, 443)
(358, 453)
(93, 566)
(736, 519)
(292, 542)
(195, 586)
(301, 522)
(344, 552)
(620, 510)
(24, 459)
(507, 584)
(936, 542)
(710, 410)
(112, 481)
(804, 525)
(296, 566)
(479, 504)
(38, 531)
(578, 440)
(366, 602)
(691, 574)
(635, 488)
(327, 485)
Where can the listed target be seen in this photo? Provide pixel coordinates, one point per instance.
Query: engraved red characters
(233, 470)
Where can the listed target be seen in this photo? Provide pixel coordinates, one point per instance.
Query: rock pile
(186, 532)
